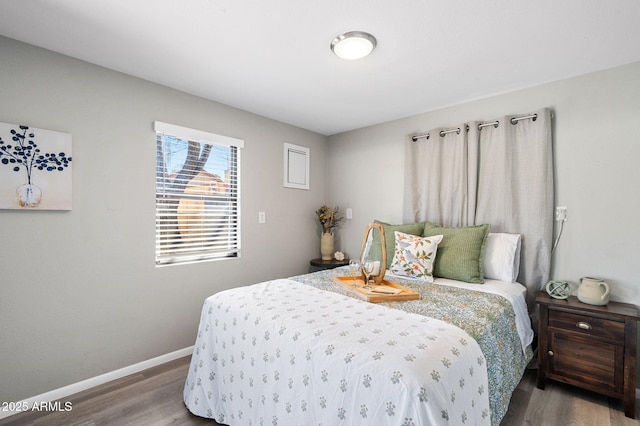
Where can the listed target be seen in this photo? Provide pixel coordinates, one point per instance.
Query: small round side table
(320, 264)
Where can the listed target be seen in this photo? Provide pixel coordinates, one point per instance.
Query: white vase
(326, 246)
(29, 195)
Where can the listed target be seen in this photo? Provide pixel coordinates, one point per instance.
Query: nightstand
(592, 347)
(319, 264)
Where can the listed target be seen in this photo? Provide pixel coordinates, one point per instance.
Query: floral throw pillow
(414, 256)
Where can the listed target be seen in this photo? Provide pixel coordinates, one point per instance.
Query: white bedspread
(284, 353)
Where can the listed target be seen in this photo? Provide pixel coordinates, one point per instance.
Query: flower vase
(29, 195)
(326, 245)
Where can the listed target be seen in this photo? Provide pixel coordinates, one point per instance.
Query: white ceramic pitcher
(593, 291)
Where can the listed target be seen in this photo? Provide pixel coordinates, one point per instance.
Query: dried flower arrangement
(328, 217)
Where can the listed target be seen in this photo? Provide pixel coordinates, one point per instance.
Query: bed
(305, 351)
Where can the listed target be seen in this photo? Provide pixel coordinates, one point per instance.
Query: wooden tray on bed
(373, 297)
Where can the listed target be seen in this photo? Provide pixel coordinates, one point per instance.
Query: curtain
(507, 183)
(441, 178)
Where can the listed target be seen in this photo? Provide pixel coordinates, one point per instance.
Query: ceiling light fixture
(353, 45)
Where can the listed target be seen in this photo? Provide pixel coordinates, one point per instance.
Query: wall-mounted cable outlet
(561, 213)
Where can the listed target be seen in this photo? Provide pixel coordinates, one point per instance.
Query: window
(197, 195)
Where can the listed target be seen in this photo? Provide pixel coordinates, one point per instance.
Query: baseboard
(65, 391)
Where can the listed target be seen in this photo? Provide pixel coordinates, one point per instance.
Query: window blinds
(197, 195)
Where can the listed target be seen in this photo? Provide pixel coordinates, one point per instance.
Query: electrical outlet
(349, 213)
(561, 213)
(262, 217)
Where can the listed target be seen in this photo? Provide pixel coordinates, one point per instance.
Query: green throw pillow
(460, 252)
(390, 239)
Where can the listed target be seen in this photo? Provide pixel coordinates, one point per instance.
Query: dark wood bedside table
(592, 347)
(320, 264)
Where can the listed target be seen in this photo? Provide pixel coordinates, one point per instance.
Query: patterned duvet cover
(302, 351)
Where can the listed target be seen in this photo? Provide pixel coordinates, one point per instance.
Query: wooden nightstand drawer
(592, 326)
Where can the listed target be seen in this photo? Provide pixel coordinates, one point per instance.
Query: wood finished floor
(154, 397)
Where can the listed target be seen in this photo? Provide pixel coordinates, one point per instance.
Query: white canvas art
(35, 168)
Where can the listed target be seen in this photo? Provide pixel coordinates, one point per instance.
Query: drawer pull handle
(550, 353)
(584, 325)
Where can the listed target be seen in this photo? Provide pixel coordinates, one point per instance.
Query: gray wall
(597, 153)
(79, 291)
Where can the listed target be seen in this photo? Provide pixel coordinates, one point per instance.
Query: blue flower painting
(35, 168)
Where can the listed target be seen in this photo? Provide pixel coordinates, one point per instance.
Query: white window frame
(190, 243)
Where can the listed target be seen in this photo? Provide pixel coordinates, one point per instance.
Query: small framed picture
(296, 166)
(35, 168)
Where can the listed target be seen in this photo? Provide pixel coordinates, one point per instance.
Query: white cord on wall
(555, 243)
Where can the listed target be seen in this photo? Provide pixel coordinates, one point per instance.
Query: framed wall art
(35, 168)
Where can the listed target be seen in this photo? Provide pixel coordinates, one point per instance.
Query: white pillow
(414, 256)
(502, 257)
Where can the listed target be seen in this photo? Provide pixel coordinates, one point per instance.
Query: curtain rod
(533, 117)
(514, 120)
(444, 132)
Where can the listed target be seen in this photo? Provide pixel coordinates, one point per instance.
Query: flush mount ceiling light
(353, 45)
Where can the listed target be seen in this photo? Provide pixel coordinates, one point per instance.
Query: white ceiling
(273, 58)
